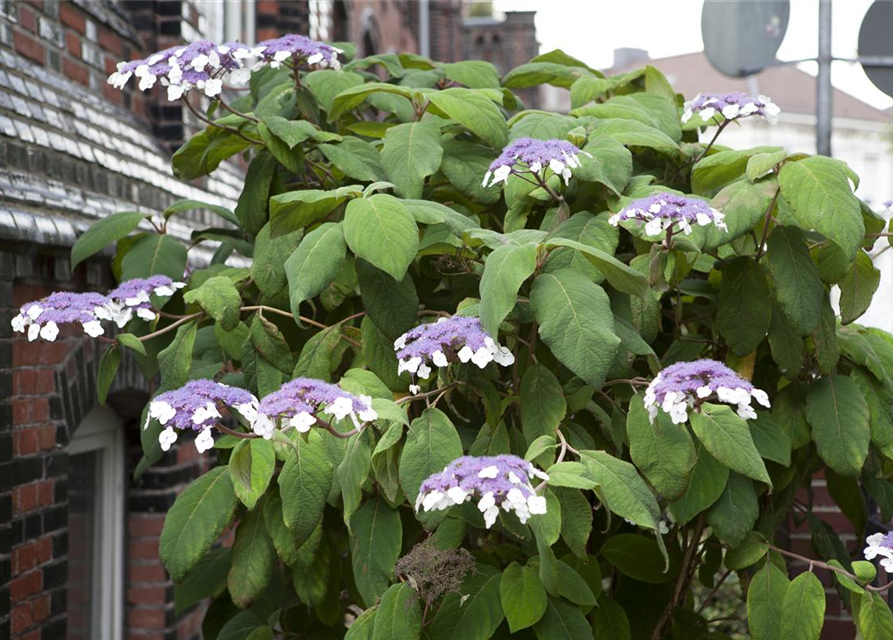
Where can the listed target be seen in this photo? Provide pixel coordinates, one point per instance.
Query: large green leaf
(744, 205)
(858, 287)
(315, 263)
(375, 543)
(505, 271)
(103, 233)
(392, 305)
(821, 198)
(252, 560)
(207, 579)
(474, 74)
(638, 557)
(803, 609)
(765, 598)
(476, 613)
(398, 616)
(354, 469)
(267, 268)
(543, 406)
(475, 112)
(622, 489)
(431, 213)
(251, 466)
(587, 229)
(715, 171)
(522, 595)
(727, 437)
(196, 520)
(611, 164)
(464, 163)
(356, 158)
(328, 83)
(155, 255)
(431, 444)
(304, 484)
(355, 96)
(663, 451)
(297, 209)
(251, 209)
(733, 515)
(563, 621)
(220, 299)
(745, 305)
(609, 620)
(875, 618)
(632, 133)
(795, 278)
(621, 276)
(380, 230)
(576, 322)
(705, 484)
(839, 417)
(411, 152)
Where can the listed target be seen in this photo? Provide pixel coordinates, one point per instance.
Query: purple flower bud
(448, 340)
(499, 481)
(731, 106)
(133, 296)
(534, 156)
(195, 406)
(684, 385)
(297, 401)
(43, 317)
(660, 211)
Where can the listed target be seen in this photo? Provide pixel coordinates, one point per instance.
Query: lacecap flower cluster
(527, 155)
(205, 65)
(731, 106)
(880, 544)
(685, 385)
(42, 318)
(448, 340)
(660, 211)
(500, 482)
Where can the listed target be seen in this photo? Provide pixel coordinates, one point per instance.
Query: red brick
(47, 437)
(46, 382)
(40, 410)
(26, 585)
(112, 94)
(146, 572)
(27, 292)
(144, 550)
(75, 71)
(30, 555)
(21, 412)
(29, 47)
(21, 617)
(40, 609)
(45, 492)
(146, 618)
(24, 383)
(72, 16)
(145, 526)
(74, 44)
(24, 499)
(110, 42)
(27, 18)
(26, 442)
(147, 595)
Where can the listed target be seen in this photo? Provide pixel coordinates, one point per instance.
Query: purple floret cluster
(195, 406)
(133, 296)
(43, 317)
(502, 481)
(685, 385)
(527, 155)
(731, 106)
(298, 49)
(295, 403)
(660, 211)
(445, 341)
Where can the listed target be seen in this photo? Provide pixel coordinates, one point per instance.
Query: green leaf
(297, 209)
(354, 470)
(522, 595)
(431, 213)
(715, 171)
(533, 74)
(505, 271)
(153, 255)
(270, 344)
(543, 406)
(587, 229)
(355, 96)
(371, 224)
(328, 83)
(663, 451)
(821, 198)
(188, 205)
(839, 417)
(785, 343)
(765, 599)
(803, 609)
(763, 163)
(622, 277)
(196, 520)
(609, 620)
(315, 263)
(745, 305)
(108, 367)
(631, 133)
(304, 484)
(104, 232)
(374, 547)
(576, 519)
(770, 439)
(744, 205)
(464, 163)
(175, 359)
(563, 621)
(356, 158)
(411, 152)
(398, 616)
(474, 74)
(431, 444)
(733, 515)
(638, 557)
(363, 625)
(706, 483)
(475, 112)
(267, 268)
(131, 342)
(251, 466)
(748, 553)
(570, 474)
(207, 579)
(251, 210)
(576, 322)
(611, 164)
(220, 299)
(727, 438)
(858, 287)
(202, 153)
(252, 560)
(622, 490)
(392, 305)
(573, 587)
(283, 540)
(875, 618)
(474, 615)
(294, 132)
(239, 627)
(795, 278)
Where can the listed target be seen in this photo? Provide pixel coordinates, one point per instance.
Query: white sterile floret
(302, 421)
(414, 389)
(213, 87)
(435, 500)
(264, 426)
(145, 314)
(34, 311)
(400, 342)
(439, 359)
(204, 441)
(465, 354)
(93, 328)
(49, 331)
(205, 413)
(370, 414)
(248, 411)
(482, 357)
(704, 392)
(167, 438)
(730, 111)
(760, 396)
(161, 411)
(487, 506)
(489, 472)
(33, 332)
(503, 356)
(879, 545)
(423, 371)
(457, 494)
(340, 408)
(19, 323)
(536, 505)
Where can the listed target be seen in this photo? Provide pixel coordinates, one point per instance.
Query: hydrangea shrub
(466, 370)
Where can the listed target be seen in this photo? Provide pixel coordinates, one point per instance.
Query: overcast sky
(592, 29)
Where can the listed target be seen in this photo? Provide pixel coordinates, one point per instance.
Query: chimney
(629, 56)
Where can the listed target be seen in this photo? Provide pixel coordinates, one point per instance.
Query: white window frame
(102, 431)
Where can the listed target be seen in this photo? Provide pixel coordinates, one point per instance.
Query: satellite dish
(874, 41)
(741, 37)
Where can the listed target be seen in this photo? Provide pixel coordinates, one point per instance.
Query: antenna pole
(824, 95)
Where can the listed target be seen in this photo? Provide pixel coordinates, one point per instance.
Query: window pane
(84, 504)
